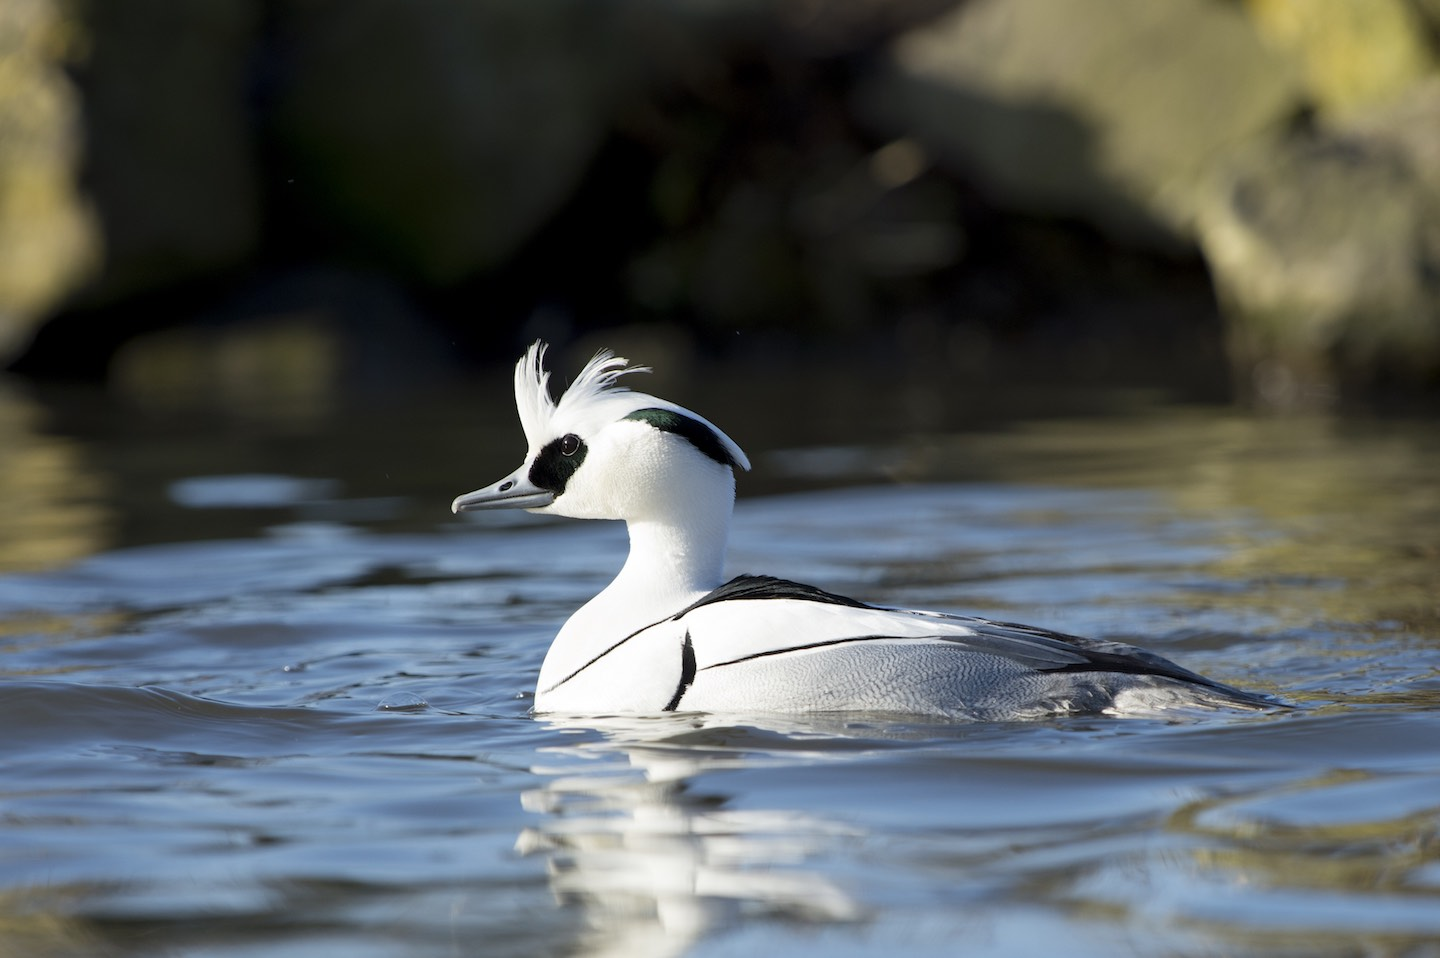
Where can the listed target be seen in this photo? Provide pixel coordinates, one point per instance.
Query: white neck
(669, 563)
(676, 556)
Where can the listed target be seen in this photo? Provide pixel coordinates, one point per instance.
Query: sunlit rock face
(1325, 246)
(47, 236)
(1290, 140)
(1354, 54)
(1324, 237)
(1106, 111)
(960, 171)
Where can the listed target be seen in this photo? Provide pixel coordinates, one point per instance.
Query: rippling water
(263, 696)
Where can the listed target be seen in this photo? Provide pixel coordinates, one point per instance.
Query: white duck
(666, 635)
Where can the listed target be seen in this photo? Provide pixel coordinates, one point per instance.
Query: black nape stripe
(687, 674)
(769, 587)
(701, 436)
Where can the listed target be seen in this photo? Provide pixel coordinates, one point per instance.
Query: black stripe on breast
(740, 587)
(687, 674)
(602, 655)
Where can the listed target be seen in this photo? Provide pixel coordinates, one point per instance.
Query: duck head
(603, 451)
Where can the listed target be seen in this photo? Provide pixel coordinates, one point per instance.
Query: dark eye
(569, 444)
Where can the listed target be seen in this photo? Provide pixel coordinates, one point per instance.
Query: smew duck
(669, 634)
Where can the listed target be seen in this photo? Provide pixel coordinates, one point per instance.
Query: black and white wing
(759, 640)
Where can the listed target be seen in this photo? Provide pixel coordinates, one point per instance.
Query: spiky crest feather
(597, 381)
(532, 393)
(592, 400)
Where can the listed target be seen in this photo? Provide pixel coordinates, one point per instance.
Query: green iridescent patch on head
(699, 435)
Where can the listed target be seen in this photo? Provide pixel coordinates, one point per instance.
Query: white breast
(775, 655)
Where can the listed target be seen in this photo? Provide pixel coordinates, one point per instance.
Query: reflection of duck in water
(666, 635)
(656, 863)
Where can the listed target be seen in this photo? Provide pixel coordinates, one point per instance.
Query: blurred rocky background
(215, 194)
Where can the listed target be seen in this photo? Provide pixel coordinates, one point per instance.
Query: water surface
(262, 695)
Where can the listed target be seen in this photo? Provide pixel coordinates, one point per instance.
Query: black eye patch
(557, 462)
(701, 436)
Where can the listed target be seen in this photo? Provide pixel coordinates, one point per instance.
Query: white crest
(593, 400)
(532, 393)
(596, 381)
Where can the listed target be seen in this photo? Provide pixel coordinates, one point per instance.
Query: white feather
(595, 399)
(639, 646)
